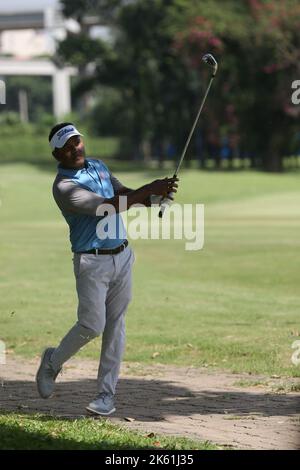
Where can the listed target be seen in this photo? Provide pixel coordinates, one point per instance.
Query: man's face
(72, 154)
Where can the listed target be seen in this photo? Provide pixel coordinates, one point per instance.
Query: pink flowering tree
(257, 45)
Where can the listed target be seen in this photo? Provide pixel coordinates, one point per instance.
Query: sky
(22, 6)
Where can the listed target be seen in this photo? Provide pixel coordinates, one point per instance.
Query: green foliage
(256, 63)
(39, 95)
(10, 121)
(78, 49)
(28, 142)
(78, 8)
(140, 65)
(106, 116)
(154, 65)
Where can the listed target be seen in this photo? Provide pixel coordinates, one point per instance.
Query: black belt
(113, 251)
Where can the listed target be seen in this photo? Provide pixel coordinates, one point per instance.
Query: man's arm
(125, 191)
(121, 190)
(160, 187)
(71, 198)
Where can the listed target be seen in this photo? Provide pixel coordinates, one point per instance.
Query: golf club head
(211, 61)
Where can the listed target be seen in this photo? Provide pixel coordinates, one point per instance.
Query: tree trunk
(273, 163)
(273, 157)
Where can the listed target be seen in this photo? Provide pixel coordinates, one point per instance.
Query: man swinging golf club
(102, 267)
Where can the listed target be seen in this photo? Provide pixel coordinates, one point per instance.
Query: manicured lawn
(33, 432)
(233, 305)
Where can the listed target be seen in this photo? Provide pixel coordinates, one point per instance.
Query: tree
(155, 93)
(153, 74)
(259, 54)
(38, 91)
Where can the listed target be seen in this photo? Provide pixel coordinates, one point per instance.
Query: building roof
(19, 6)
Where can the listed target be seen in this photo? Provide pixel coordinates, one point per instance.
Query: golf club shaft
(166, 201)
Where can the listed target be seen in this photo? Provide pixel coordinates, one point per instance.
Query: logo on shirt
(103, 175)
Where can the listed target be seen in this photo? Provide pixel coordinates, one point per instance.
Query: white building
(27, 43)
(29, 30)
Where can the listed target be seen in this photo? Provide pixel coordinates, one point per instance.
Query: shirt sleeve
(72, 198)
(116, 184)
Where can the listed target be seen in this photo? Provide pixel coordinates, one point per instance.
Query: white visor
(60, 137)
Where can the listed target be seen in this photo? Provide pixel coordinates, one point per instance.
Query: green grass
(233, 305)
(33, 432)
(285, 386)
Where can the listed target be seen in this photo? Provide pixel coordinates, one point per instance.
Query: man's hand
(163, 187)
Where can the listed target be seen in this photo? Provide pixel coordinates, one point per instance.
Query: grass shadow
(145, 400)
(13, 437)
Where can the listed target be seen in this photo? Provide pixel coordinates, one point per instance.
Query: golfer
(83, 187)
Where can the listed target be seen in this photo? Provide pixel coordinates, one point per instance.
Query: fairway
(169, 327)
(233, 305)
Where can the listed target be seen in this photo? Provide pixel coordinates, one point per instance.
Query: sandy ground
(178, 401)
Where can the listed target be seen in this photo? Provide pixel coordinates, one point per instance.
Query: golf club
(211, 61)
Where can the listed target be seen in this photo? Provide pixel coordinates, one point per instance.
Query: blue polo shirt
(79, 193)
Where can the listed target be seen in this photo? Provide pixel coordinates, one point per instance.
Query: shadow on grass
(14, 437)
(145, 400)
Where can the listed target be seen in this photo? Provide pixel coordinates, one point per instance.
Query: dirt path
(179, 401)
